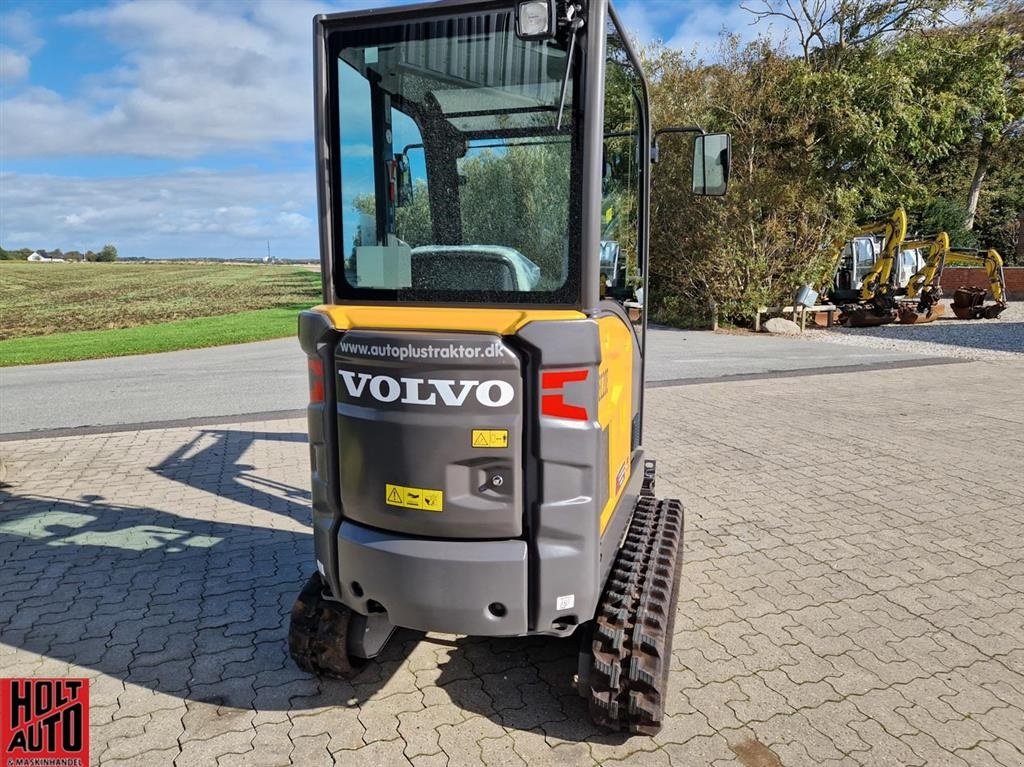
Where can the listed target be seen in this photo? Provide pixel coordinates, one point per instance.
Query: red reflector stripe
(558, 378)
(554, 405)
(316, 379)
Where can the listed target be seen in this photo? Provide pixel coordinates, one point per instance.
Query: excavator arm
(926, 279)
(894, 231)
(992, 263)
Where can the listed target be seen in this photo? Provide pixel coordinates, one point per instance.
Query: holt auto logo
(44, 722)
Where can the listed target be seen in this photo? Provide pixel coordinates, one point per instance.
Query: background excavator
(969, 303)
(881, 277)
(863, 284)
(922, 293)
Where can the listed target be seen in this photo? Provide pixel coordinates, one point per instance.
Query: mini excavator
(863, 283)
(476, 385)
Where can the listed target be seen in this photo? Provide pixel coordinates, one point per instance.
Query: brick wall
(959, 277)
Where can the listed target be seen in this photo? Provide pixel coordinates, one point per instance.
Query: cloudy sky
(184, 129)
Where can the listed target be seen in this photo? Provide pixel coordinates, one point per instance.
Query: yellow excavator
(969, 303)
(476, 386)
(922, 293)
(863, 279)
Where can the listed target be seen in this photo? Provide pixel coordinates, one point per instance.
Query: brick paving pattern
(852, 592)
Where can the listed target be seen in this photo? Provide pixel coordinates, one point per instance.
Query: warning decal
(414, 498)
(490, 438)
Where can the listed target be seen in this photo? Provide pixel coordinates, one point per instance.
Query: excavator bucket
(992, 311)
(968, 303)
(910, 315)
(868, 316)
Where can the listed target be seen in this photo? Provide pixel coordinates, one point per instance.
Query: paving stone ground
(852, 592)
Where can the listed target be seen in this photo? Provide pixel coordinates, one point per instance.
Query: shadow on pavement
(189, 606)
(197, 606)
(1004, 336)
(211, 461)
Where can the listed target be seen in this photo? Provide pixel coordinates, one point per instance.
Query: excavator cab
(476, 385)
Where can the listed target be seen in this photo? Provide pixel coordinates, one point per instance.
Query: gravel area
(1002, 338)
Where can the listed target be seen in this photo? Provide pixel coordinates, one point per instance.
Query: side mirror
(712, 154)
(403, 181)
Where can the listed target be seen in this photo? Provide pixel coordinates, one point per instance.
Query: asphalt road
(271, 376)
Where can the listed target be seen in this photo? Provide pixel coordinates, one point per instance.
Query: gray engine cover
(407, 410)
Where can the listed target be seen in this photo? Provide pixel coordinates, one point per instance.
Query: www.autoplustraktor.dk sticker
(44, 722)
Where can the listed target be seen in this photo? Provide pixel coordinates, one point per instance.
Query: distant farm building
(37, 256)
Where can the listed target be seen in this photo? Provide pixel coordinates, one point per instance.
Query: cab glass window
(455, 182)
(621, 178)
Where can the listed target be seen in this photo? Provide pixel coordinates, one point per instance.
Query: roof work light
(535, 19)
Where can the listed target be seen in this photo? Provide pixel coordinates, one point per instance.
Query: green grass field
(59, 312)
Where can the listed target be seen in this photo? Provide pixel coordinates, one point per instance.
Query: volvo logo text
(420, 391)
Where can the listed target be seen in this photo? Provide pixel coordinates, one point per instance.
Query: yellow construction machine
(863, 278)
(476, 382)
(922, 293)
(969, 302)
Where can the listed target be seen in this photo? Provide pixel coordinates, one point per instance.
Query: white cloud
(638, 22)
(13, 65)
(295, 222)
(701, 30)
(191, 213)
(694, 27)
(191, 79)
(20, 31)
(19, 43)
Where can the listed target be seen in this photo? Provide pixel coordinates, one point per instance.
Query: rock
(778, 326)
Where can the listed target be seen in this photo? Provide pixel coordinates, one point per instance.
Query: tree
(776, 227)
(828, 27)
(109, 253)
(998, 117)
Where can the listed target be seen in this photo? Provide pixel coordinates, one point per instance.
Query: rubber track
(318, 634)
(632, 641)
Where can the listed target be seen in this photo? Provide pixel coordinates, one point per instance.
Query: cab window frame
(567, 296)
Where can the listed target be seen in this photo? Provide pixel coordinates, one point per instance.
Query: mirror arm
(575, 17)
(656, 151)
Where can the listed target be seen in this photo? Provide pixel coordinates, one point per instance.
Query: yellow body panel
(503, 322)
(615, 406)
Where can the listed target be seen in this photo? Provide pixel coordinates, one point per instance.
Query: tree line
(107, 253)
(885, 104)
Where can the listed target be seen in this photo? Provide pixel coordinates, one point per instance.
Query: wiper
(575, 18)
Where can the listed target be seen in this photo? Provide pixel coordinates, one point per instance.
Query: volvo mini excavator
(476, 406)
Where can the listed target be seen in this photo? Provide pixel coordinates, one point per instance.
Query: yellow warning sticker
(414, 498)
(490, 437)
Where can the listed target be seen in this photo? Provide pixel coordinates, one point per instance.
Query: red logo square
(44, 722)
